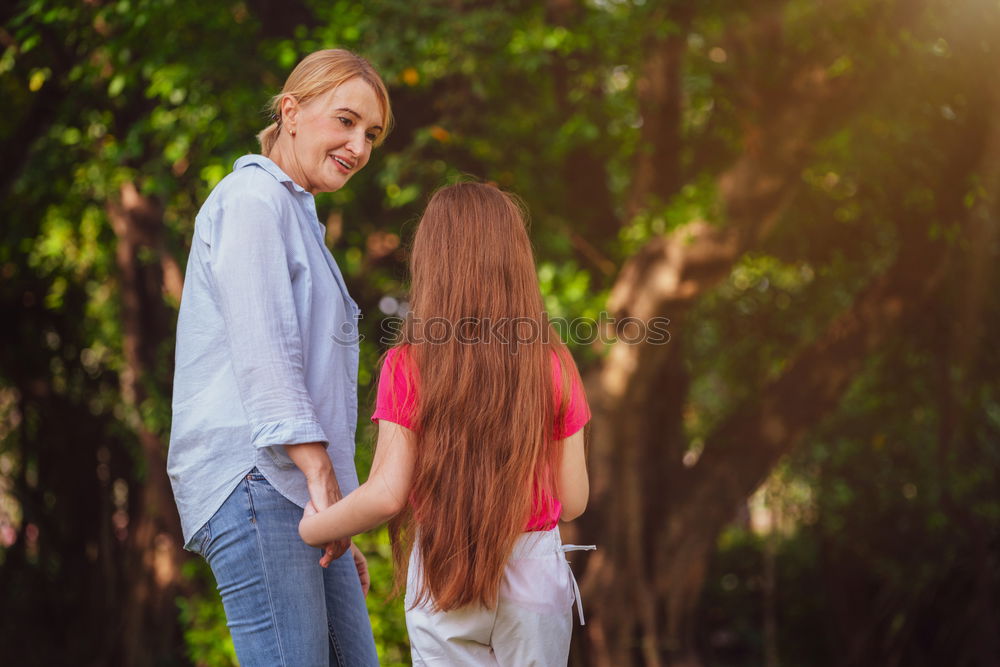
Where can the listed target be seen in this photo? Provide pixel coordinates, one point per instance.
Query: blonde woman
(265, 387)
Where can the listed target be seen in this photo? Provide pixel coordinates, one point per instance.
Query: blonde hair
(317, 74)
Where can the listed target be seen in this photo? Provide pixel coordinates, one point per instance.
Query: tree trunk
(963, 340)
(656, 174)
(150, 628)
(655, 519)
(639, 397)
(591, 205)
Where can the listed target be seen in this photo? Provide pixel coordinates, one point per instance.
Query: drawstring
(576, 587)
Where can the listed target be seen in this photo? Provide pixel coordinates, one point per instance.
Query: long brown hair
(480, 345)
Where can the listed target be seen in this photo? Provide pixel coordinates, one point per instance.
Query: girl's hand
(329, 550)
(362, 565)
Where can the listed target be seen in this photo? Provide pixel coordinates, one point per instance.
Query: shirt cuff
(288, 432)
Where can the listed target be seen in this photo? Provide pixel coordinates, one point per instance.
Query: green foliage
(207, 638)
(385, 609)
(696, 202)
(165, 95)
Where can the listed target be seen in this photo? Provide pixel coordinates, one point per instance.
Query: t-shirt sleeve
(396, 397)
(578, 411)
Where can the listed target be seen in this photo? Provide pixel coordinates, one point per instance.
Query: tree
(797, 186)
(671, 512)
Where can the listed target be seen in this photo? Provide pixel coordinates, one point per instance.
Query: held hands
(323, 492)
(359, 559)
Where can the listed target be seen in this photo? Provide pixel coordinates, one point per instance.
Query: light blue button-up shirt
(267, 346)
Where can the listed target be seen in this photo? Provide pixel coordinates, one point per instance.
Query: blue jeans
(282, 608)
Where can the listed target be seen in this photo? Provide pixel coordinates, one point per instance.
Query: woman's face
(331, 135)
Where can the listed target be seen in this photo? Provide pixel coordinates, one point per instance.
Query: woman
(265, 393)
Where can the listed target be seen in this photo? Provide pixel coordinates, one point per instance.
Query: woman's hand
(323, 492)
(312, 460)
(382, 496)
(360, 562)
(362, 565)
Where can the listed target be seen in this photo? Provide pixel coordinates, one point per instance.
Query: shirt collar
(270, 167)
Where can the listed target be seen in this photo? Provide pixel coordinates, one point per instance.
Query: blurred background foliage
(791, 168)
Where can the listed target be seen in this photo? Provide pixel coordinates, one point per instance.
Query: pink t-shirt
(397, 398)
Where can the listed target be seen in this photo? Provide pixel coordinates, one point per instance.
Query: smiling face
(329, 138)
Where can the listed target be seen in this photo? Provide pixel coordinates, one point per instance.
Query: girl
(480, 446)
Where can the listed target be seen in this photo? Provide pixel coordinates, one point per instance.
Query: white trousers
(531, 625)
